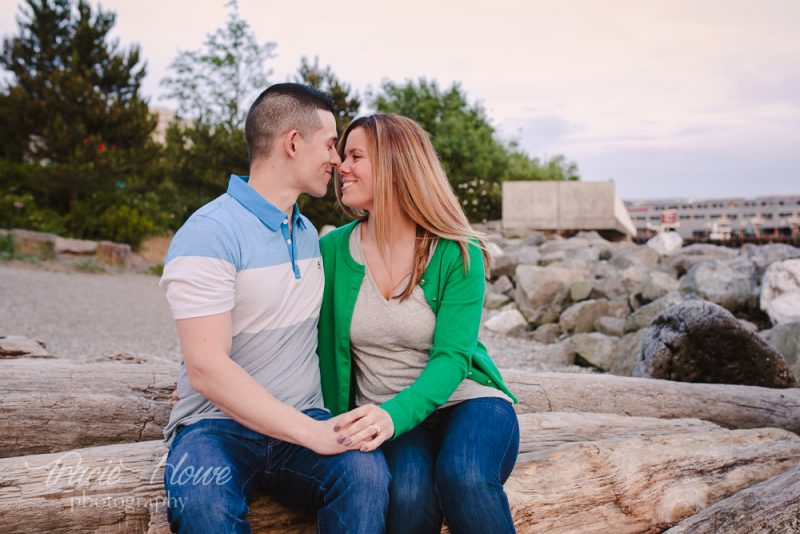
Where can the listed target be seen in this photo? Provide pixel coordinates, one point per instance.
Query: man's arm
(206, 345)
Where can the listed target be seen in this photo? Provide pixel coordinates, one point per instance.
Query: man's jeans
(455, 462)
(215, 465)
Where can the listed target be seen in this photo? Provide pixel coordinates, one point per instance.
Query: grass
(89, 265)
(157, 269)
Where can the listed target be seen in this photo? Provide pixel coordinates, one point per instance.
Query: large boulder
(683, 260)
(538, 286)
(114, 254)
(780, 291)
(763, 256)
(729, 283)
(785, 338)
(64, 245)
(635, 256)
(594, 349)
(627, 353)
(655, 285)
(38, 244)
(699, 341)
(642, 317)
(666, 243)
(507, 322)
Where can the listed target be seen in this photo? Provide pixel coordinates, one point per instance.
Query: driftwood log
(606, 484)
(772, 506)
(52, 405)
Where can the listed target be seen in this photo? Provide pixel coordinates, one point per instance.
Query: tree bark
(612, 484)
(769, 507)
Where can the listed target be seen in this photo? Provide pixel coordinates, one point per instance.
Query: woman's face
(356, 172)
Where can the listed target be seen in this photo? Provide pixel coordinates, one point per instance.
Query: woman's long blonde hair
(405, 166)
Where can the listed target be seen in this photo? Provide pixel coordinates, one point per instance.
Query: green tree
(215, 84)
(347, 104)
(476, 160)
(72, 113)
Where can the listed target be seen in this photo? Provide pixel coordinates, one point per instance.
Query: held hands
(364, 428)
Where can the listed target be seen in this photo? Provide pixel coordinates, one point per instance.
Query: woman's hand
(364, 428)
(322, 437)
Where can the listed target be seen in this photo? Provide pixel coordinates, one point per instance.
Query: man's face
(317, 156)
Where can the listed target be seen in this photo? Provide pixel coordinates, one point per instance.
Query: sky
(669, 98)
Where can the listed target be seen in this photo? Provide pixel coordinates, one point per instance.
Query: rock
(729, 283)
(610, 326)
(563, 245)
(526, 255)
(28, 243)
(494, 300)
(534, 239)
(785, 338)
(547, 333)
(785, 308)
(580, 290)
(699, 341)
(642, 317)
(494, 250)
(553, 257)
(688, 256)
(780, 291)
(763, 256)
(589, 255)
(656, 285)
(594, 349)
(74, 246)
(562, 353)
(507, 322)
(539, 285)
(666, 243)
(643, 256)
(747, 325)
(502, 285)
(627, 353)
(20, 346)
(114, 254)
(504, 265)
(580, 317)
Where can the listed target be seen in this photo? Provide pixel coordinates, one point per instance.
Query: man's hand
(364, 428)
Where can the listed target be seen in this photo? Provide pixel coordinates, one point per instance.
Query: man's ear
(290, 140)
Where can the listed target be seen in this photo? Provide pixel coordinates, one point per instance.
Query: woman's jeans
(215, 465)
(455, 463)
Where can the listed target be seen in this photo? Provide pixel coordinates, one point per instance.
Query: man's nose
(336, 160)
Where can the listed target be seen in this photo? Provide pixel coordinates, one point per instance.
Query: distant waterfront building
(718, 218)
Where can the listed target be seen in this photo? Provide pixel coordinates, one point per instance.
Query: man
(244, 280)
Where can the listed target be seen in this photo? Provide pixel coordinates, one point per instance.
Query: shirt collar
(259, 206)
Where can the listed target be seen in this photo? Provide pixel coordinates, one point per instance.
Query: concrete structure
(565, 207)
(718, 218)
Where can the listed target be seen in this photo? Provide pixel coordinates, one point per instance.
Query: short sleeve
(199, 276)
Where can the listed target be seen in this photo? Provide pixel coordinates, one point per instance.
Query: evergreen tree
(72, 112)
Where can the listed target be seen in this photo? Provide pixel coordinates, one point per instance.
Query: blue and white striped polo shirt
(236, 254)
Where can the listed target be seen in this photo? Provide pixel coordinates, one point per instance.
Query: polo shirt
(237, 254)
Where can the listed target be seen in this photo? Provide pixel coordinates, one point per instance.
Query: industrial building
(718, 218)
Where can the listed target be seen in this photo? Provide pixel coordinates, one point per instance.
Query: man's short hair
(280, 108)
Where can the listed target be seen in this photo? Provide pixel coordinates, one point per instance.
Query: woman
(398, 335)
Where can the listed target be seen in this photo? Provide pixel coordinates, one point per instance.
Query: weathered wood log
(51, 405)
(643, 484)
(730, 406)
(636, 481)
(772, 506)
(58, 405)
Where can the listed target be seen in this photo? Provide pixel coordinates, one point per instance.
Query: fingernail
(339, 440)
(336, 428)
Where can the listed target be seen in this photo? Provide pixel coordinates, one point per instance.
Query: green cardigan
(456, 299)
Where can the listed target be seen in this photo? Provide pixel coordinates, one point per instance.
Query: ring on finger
(377, 428)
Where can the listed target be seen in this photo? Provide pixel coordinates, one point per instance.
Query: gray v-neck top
(390, 340)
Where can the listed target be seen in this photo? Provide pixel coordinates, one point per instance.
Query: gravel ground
(80, 314)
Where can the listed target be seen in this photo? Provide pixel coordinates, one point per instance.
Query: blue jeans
(454, 463)
(215, 465)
